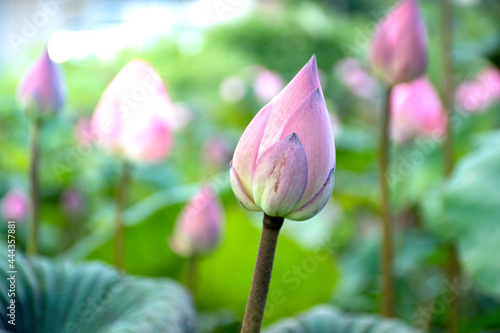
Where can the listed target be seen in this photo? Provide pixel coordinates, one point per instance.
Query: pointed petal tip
(295, 140)
(313, 62)
(313, 65)
(293, 137)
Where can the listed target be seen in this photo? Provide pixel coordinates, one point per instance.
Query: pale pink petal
(316, 204)
(239, 192)
(245, 154)
(287, 101)
(312, 125)
(280, 177)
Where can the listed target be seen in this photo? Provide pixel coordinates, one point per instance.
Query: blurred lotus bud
(41, 91)
(83, 131)
(198, 229)
(15, 205)
(416, 110)
(72, 202)
(217, 151)
(284, 162)
(479, 94)
(134, 116)
(267, 84)
(399, 45)
(183, 115)
(355, 78)
(232, 89)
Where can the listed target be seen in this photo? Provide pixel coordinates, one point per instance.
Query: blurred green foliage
(430, 213)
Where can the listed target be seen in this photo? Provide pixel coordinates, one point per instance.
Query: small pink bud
(198, 229)
(182, 116)
(479, 94)
(41, 91)
(416, 110)
(72, 202)
(267, 84)
(233, 89)
(283, 164)
(355, 78)
(217, 151)
(83, 131)
(399, 45)
(15, 205)
(134, 116)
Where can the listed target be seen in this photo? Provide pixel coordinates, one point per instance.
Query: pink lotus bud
(72, 202)
(284, 162)
(182, 116)
(217, 151)
(479, 94)
(15, 205)
(199, 227)
(267, 84)
(134, 116)
(416, 110)
(399, 46)
(41, 91)
(83, 131)
(355, 78)
(233, 89)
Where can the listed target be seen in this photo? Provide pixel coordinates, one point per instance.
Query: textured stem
(254, 312)
(388, 293)
(453, 270)
(119, 217)
(32, 246)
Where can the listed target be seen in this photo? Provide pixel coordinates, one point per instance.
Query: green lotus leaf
(62, 297)
(327, 319)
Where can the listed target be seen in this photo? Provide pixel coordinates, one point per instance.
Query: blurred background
(221, 61)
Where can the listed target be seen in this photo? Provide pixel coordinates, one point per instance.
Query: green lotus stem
(453, 269)
(32, 244)
(387, 251)
(119, 216)
(254, 312)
